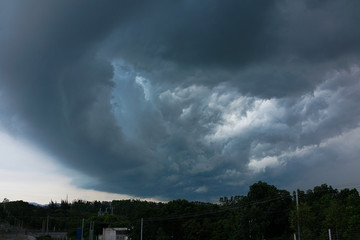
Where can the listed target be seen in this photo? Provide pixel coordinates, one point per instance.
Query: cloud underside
(186, 99)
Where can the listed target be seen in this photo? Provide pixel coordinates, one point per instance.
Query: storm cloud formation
(186, 99)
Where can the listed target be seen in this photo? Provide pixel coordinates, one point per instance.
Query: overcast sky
(177, 99)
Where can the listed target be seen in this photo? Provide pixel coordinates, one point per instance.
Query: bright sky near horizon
(30, 175)
(158, 99)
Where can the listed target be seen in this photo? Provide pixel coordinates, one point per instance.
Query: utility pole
(99, 213)
(82, 230)
(142, 223)
(47, 225)
(91, 231)
(297, 209)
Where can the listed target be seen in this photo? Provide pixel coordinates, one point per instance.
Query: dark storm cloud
(184, 98)
(267, 48)
(56, 82)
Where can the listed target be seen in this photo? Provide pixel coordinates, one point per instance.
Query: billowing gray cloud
(185, 99)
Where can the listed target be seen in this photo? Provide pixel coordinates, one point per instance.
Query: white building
(114, 234)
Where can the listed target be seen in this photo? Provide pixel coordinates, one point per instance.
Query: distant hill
(38, 204)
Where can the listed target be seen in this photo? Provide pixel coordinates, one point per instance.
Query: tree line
(266, 212)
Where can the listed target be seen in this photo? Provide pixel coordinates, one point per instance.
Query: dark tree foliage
(325, 208)
(264, 213)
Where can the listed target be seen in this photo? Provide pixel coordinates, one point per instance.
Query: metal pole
(297, 209)
(91, 231)
(142, 223)
(47, 225)
(329, 234)
(82, 230)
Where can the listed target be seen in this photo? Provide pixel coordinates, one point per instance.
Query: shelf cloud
(186, 99)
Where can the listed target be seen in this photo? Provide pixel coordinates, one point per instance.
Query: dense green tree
(264, 213)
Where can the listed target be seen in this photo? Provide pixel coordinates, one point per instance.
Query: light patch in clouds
(202, 189)
(243, 114)
(334, 161)
(144, 83)
(259, 165)
(128, 96)
(233, 177)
